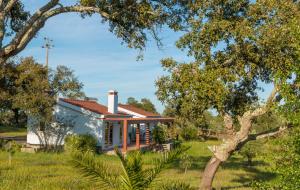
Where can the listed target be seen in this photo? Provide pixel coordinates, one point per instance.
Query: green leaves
(144, 104)
(96, 171)
(133, 175)
(238, 46)
(65, 83)
(287, 160)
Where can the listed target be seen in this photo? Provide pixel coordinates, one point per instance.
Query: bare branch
(9, 6)
(34, 18)
(24, 36)
(262, 135)
(270, 133)
(2, 28)
(1, 5)
(272, 95)
(262, 110)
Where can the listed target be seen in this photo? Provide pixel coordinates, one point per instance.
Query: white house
(114, 125)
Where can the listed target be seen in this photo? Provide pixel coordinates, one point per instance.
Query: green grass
(52, 171)
(6, 131)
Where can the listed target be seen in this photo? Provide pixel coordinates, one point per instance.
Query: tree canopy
(30, 88)
(236, 45)
(144, 104)
(239, 47)
(132, 20)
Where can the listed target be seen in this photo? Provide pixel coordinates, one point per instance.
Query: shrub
(82, 143)
(189, 133)
(177, 143)
(11, 147)
(176, 186)
(2, 144)
(250, 151)
(185, 162)
(159, 135)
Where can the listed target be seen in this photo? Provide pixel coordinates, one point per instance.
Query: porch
(130, 147)
(136, 140)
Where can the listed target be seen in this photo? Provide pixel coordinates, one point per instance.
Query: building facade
(112, 125)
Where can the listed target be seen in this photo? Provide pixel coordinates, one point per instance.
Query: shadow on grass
(197, 163)
(7, 129)
(241, 181)
(253, 172)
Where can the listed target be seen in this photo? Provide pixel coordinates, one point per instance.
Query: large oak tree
(130, 20)
(237, 45)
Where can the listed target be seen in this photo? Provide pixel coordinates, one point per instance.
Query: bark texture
(209, 173)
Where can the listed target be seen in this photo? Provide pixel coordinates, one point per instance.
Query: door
(109, 134)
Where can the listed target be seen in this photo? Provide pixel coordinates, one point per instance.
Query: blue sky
(99, 59)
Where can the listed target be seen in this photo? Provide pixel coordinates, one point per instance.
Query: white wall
(135, 115)
(85, 122)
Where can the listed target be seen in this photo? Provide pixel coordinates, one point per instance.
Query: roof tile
(138, 110)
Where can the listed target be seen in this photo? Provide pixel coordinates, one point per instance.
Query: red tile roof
(138, 110)
(92, 106)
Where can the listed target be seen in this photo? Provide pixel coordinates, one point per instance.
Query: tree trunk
(209, 173)
(16, 116)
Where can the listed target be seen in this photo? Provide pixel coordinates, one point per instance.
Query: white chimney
(112, 101)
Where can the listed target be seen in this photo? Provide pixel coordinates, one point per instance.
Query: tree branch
(262, 110)
(262, 135)
(33, 19)
(37, 22)
(1, 5)
(2, 28)
(266, 134)
(9, 6)
(228, 123)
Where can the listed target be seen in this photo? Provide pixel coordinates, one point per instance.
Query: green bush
(2, 144)
(189, 133)
(82, 143)
(177, 143)
(159, 135)
(250, 151)
(176, 186)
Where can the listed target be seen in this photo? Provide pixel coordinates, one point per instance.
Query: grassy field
(12, 131)
(50, 171)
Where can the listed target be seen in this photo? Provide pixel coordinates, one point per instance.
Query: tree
(145, 104)
(237, 46)
(133, 175)
(129, 20)
(8, 75)
(37, 90)
(148, 105)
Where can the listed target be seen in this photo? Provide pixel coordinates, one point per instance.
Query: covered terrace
(125, 122)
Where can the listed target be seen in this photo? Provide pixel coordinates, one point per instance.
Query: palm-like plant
(132, 177)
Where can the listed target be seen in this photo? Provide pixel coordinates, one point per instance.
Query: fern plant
(133, 175)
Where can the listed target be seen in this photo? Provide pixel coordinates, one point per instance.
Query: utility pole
(48, 45)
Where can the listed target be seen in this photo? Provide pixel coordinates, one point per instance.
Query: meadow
(53, 171)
